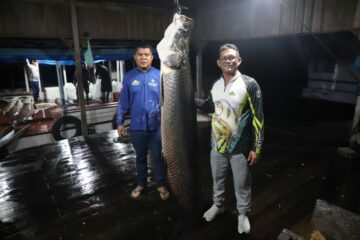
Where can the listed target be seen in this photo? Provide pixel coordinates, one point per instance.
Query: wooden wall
(239, 19)
(214, 19)
(51, 19)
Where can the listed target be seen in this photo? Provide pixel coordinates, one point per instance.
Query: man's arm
(206, 105)
(122, 108)
(256, 105)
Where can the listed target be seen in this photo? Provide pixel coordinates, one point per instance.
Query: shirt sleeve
(256, 105)
(123, 104)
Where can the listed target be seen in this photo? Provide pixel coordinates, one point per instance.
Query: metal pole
(61, 86)
(26, 79)
(110, 70)
(199, 46)
(75, 33)
(122, 70)
(357, 110)
(64, 74)
(41, 93)
(117, 71)
(199, 86)
(65, 81)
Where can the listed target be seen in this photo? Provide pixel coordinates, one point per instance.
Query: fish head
(173, 48)
(27, 100)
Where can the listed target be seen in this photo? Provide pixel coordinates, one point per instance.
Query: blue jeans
(142, 141)
(35, 88)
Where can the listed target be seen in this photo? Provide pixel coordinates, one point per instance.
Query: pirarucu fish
(178, 114)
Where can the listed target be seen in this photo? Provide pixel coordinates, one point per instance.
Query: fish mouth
(185, 22)
(173, 50)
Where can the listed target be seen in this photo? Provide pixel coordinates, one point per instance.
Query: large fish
(26, 111)
(178, 114)
(15, 109)
(10, 104)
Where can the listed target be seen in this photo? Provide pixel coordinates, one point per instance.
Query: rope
(179, 7)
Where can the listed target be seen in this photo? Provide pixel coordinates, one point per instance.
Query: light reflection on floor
(80, 189)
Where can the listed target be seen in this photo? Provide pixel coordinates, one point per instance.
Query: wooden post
(75, 33)
(61, 86)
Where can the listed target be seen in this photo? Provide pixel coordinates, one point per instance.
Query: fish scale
(178, 115)
(26, 112)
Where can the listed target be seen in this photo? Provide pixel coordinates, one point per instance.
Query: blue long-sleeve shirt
(141, 95)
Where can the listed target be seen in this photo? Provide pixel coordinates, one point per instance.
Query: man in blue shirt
(141, 95)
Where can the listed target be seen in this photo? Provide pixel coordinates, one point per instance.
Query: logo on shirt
(258, 94)
(135, 82)
(153, 83)
(232, 93)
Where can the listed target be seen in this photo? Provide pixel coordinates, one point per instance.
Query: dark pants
(36, 89)
(86, 90)
(105, 97)
(142, 141)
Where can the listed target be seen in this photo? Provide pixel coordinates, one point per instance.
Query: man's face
(229, 61)
(143, 58)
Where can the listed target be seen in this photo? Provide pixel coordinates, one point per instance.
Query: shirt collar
(143, 71)
(237, 74)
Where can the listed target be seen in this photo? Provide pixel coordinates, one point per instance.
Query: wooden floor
(80, 189)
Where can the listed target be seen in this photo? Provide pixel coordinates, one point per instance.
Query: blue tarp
(64, 55)
(62, 62)
(356, 64)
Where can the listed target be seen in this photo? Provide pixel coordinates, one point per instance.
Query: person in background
(237, 133)
(86, 81)
(34, 77)
(106, 86)
(141, 96)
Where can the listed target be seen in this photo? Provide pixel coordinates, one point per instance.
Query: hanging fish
(10, 104)
(15, 109)
(26, 111)
(178, 114)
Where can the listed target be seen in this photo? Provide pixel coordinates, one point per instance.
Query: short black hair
(229, 46)
(144, 45)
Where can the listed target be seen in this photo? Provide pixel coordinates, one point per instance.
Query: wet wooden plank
(80, 190)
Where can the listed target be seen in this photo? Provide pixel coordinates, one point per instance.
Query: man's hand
(199, 102)
(252, 158)
(121, 130)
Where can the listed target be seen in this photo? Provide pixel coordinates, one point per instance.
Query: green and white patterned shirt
(238, 119)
